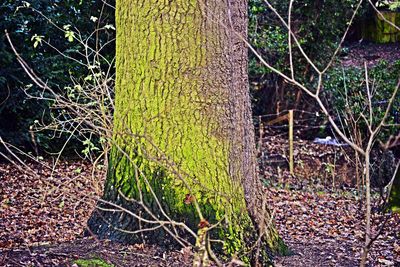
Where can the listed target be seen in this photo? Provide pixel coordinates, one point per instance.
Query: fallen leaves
(52, 206)
(371, 53)
(66, 254)
(328, 229)
(323, 228)
(203, 223)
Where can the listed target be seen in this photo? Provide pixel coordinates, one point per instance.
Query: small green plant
(89, 147)
(329, 167)
(78, 170)
(92, 263)
(37, 39)
(330, 170)
(70, 35)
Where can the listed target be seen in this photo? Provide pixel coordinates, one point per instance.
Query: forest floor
(327, 229)
(358, 53)
(42, 219)
(43, 211)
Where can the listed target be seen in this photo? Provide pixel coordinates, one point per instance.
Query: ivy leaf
(37, 39)
(70, 35)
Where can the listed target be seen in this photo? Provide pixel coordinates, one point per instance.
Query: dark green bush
(346, 93)
(17, 112)
(318, 25)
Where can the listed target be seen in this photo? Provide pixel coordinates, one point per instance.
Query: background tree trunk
(394, 200)
(183, 125)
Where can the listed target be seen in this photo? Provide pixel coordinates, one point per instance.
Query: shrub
(345, 92)
(318, 25)
(30, 27)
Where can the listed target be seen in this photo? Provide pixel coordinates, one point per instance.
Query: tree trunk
(183, 145)
(394, 199)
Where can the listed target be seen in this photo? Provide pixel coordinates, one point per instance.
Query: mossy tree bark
(183, 130)
(376, 29)
(394, 199)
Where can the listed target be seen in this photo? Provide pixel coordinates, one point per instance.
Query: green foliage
(31, 28)
(389, 4)
(394, 6)
(347, 93)
(318, 26)
(92, 263)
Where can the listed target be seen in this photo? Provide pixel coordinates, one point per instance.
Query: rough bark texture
(183, 128)
(379, 31)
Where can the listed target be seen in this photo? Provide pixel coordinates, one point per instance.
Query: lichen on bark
(183, 135)
(378, 30)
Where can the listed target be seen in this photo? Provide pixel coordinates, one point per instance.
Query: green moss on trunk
(183, 139)
(379, 31)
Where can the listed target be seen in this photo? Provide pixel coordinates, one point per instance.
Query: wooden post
(291, 158)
